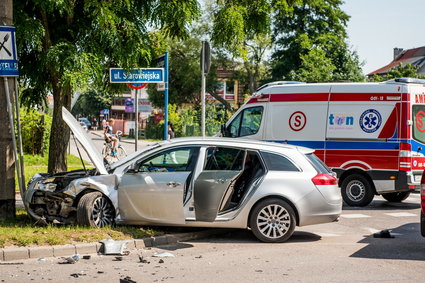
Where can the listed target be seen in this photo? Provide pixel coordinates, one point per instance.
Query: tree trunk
(59, 134)
(7, 158)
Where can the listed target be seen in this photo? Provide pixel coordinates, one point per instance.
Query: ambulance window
(418, 117)
(247, 122)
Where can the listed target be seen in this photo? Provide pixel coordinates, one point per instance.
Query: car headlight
(46, 185)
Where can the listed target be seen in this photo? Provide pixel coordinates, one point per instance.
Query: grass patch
(21, 232)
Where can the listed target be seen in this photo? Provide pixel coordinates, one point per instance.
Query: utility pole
(7, 159)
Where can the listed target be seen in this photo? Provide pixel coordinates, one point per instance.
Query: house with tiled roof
(415, 56)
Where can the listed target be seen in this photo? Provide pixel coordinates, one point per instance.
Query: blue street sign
(106, 111)
(8, 57)
(143, 75)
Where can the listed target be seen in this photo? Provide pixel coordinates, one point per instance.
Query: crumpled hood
(78, 131)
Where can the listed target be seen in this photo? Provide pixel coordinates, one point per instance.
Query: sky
(377, 26)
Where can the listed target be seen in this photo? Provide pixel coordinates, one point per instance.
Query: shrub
(35, 131)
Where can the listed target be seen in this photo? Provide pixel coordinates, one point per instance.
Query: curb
(13, 254)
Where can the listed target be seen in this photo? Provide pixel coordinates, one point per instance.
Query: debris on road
(70, 260)
(87, 257)
(142, 260)
(161, 261)
(76, 275)
(127, 280)
(164, 254)
(383, 234)
(111, 247)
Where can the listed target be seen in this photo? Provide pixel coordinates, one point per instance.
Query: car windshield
(418, 117)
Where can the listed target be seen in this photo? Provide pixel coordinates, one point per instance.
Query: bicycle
(107, 149)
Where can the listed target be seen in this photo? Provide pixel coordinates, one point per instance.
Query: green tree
(91, 102)
(399, 71)
(308, 33)
(68, 45)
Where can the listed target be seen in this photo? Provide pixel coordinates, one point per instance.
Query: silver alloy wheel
(356, 190)
(103, 212)
(273, 221)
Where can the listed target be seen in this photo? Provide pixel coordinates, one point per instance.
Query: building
(415, 57)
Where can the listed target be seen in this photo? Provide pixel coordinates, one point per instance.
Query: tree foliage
(310, 43)
(399, 71)
(69, 45)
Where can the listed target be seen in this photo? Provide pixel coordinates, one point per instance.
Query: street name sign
(142, 75)
(8, 57)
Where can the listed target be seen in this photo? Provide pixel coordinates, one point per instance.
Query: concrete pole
(203, 89)
(7, 160)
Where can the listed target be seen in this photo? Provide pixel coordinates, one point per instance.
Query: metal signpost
(205, 67)
(163, 62)
(9, 68)
(136, 79)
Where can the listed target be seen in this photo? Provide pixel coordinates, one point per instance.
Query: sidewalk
(14, 254)
(140, 143)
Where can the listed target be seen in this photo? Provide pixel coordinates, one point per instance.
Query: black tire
(422, 224)
(95, 210)
(396, 197)
(356, 190)
(272, 221)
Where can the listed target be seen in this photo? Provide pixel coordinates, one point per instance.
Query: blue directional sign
(8, 57)
(142, 75)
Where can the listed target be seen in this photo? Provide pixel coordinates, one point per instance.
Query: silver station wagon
(201, 182)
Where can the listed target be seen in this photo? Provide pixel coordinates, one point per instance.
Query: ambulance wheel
(396, 197)
(356, 190)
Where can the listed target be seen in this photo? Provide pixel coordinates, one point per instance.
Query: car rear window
(317, 163)
(275, 162)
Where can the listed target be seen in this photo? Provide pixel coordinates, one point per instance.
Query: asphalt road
(344, 251)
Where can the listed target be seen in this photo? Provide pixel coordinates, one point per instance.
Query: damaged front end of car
(52, 198)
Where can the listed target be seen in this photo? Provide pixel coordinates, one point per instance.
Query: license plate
(417, 178)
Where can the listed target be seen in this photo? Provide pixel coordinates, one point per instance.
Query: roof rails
(279, 83)
(407, 81)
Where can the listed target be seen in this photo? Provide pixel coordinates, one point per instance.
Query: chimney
(397, 52)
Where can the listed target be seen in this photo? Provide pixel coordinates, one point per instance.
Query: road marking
(327, 235)
(354, 215)
(401, 214)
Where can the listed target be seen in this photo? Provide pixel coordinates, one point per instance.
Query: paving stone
(38, 252)
(140, 244)
(89, 248)
(15, 254)
(131, 245)
(64, 250)
(160, 241)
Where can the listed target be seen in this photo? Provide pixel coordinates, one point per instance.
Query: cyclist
(109, 137)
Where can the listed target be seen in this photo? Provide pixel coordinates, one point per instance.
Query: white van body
(371, 134)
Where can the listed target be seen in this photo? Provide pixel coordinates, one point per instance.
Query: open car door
(214, 186)
(154, 189)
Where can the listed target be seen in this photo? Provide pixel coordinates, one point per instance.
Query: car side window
(180, 159)
(247, 122)
(275, 162)
(222, 158)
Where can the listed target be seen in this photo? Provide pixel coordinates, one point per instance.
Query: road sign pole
(136, 127)
(166, 97)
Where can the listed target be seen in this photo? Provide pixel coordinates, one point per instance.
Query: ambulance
(371, 134)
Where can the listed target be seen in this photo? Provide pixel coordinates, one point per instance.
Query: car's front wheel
(95, 210)
(396, 197)
(272, 221)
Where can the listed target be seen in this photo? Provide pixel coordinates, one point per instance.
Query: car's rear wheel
(95, 210)
(272, 221)
(356, 190)
(396, 197)
(422, 224)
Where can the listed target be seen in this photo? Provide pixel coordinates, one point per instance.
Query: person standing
(171, 133)
(94, 124)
